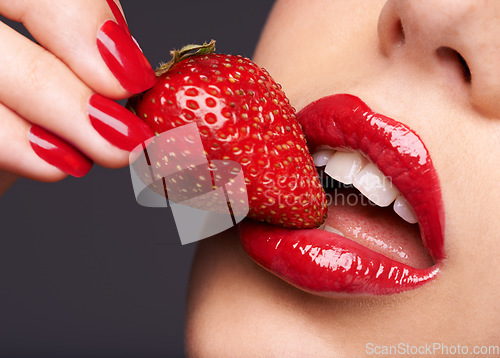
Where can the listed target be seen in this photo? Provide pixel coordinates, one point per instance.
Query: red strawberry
(244, 116)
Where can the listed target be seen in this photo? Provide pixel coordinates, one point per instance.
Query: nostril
(399, 33)
(447, 53)
(465, 68)
(396, 33)
(391, 30)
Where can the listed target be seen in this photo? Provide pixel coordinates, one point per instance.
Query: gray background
(84, 270)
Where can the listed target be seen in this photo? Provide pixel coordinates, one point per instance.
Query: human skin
(82, 48)
(318, 48)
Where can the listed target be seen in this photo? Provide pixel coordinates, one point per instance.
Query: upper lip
(347, 122)
(344, 121)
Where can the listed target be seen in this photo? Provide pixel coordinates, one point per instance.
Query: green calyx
(186, 52)
(177, 56)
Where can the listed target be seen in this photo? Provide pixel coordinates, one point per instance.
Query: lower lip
(328, 264)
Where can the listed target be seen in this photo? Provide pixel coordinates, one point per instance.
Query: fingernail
(118, 15)
(124, 58)
(116, 124)
(58, 153)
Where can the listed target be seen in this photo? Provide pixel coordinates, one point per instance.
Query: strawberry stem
(186, 52)
(177, 56)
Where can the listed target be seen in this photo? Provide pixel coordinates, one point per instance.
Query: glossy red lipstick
(326, 263)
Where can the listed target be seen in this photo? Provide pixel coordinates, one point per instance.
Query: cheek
(472, 194)
(306, 48)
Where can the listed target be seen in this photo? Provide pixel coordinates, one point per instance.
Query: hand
(57, 113)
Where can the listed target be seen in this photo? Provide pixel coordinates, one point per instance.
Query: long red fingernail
(116, 124)
(124, 58)
(118, 15)
(58, 153)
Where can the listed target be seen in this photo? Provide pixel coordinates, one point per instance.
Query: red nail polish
(58, 153)
(124, 58)
(118, 15)
(116, 124)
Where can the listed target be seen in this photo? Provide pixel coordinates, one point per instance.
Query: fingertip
(50, 176)
(116, 124)
(58, 153)
(117, 13)
(137, 75)
(90, 38)
(124, 58)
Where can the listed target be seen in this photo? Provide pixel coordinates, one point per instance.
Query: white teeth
(354, 168)
(403, 209)
(373, 184)
(332, 229)
(320, 158)
(343, 166)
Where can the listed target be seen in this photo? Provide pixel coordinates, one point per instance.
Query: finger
(91, 38)
(32, 152)
(41, 89)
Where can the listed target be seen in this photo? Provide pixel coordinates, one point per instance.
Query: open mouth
(385, 228)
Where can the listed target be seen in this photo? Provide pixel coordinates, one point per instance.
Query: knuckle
(38, 72)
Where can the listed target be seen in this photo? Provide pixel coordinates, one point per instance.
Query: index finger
(91, 38)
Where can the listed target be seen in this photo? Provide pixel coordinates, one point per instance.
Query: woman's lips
(344, 121)
(326, 263)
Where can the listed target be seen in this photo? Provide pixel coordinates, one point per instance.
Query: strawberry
(244, 116)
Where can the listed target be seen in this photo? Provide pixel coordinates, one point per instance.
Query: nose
(443, 36)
